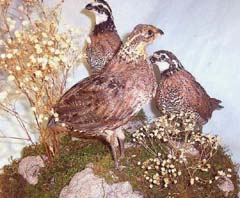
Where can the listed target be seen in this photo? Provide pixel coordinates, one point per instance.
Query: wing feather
(194, 94)
(92, 103)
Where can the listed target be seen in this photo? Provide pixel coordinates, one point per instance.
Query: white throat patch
(100, 17)
(162, 66)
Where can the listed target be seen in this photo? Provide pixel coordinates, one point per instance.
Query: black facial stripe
(105, 3)
(105, 26)
(167, 54)
(102, 10)
(169, 58)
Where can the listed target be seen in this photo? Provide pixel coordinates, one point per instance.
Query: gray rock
(122, 190)
(29, 168)
(226, 185)
(86, 185)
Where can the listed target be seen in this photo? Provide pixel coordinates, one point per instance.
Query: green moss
(11, 183)
(32, 150)
(75, 155)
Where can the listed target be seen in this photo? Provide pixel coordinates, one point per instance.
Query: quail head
(178, 91)
(104, 42)
(100, 104)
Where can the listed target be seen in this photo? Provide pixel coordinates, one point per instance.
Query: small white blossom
(3, 56)
(9, 56)
(38, 73)
(11, 78)
(18, 68)
(3, 95)
(192, 181)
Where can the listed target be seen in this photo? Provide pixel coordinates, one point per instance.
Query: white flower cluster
(35, 62)
(36, 58)
(177, 146)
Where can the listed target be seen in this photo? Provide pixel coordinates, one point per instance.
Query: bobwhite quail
(104, 42)
(178, 91)
(100, 104)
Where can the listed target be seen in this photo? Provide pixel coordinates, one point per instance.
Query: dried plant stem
(36, 59)
(20, 121)
(17, 138)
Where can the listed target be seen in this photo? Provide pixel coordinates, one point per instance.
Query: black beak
(160, 32)
(152, 59)
(89, 6)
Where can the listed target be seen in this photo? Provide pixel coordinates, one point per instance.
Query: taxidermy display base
(75, 155)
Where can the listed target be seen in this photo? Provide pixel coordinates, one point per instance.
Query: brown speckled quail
(178, 91)
(99, 105)
(104, 42)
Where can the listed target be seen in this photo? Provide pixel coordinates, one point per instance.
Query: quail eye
(163, 57)
(150, 32)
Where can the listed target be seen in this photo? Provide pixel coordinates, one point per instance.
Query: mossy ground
(75, 155)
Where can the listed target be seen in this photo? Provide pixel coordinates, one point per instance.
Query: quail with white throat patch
(100, 104)
(104, 42)
(178, 91)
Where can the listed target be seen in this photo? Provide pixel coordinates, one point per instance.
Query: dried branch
(36, 60)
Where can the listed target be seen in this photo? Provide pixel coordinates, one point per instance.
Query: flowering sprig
(35, 61)
(178, 149)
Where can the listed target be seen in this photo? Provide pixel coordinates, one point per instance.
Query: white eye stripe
(175, 62)
(98, 4)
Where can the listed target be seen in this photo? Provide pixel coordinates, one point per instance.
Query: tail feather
(216, 104)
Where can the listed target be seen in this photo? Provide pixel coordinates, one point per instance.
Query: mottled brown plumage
(104, 41)
(178, 91)
(103, 102)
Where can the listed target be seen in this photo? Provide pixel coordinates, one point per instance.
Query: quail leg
(121, 137)
(122, 149)
(116, 138)
(112, 140)
(115, 156)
